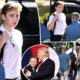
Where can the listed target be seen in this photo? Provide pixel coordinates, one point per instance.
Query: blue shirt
(2, 72)
(45, 34)
(73, 31)
(64, 61)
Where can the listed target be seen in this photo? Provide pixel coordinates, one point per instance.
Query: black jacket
(45, 72)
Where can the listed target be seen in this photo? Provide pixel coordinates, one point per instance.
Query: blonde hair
(11, 6)
(76, 14)
(45, 50)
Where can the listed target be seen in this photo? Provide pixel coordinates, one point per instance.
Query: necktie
(41, 62)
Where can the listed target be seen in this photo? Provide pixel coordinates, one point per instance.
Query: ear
(3, 17)
(55, 8)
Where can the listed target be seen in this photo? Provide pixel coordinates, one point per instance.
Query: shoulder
(49, 61)
(52, 15)
(1, 28)
(63, 14)
(17, 32)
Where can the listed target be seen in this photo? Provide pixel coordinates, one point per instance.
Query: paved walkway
(77, 78)
(78, 75)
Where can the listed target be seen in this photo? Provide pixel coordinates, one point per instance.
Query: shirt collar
(45, 59)
(3, 29)
(56, 13)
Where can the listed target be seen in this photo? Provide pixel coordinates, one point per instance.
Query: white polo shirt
(60, 23)
(12, 54)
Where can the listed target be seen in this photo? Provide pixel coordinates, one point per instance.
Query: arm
(3, 39)
(48, 71)
(52, 23)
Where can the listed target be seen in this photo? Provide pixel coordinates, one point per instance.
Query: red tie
(41, 62)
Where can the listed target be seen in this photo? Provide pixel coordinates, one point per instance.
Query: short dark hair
(33, 57)
(11, 6)
(59, 3)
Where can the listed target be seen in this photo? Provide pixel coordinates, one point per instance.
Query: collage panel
(60, 29)
(62, 24)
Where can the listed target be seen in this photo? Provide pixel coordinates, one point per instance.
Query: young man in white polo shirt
(57, 20)
(13, 39)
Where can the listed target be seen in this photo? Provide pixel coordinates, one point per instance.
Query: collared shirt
(60, 23)
(73, 31)
(41, 63)
(45, 59)
(12, 54)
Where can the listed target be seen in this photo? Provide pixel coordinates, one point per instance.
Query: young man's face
(11, 18)
(59, 8)
(33, 62)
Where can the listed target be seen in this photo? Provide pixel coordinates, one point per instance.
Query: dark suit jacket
(29, 68)
(45, 72)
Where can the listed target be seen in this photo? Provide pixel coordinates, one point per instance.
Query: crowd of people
(69, 61)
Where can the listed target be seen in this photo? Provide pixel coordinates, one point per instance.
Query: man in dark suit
(45, 71)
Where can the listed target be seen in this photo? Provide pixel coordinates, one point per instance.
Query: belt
(12, 79)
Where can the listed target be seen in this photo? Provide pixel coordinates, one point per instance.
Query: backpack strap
(54, 23)
(2, 50)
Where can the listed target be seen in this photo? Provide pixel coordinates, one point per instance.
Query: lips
(14, 23)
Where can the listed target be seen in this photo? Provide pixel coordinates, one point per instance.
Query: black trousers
(73, 69)
(55, 37)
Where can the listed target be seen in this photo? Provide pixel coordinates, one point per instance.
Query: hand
(28, 74)
(55, 17)
(5, 37)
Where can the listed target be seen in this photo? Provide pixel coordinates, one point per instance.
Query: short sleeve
(50, 20)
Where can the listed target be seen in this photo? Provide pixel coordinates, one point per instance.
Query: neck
(58, 12)
(44, 58)
(74, 21)
(8, 28)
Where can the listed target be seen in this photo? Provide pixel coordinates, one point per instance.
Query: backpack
(52, 31)
(72, 57)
